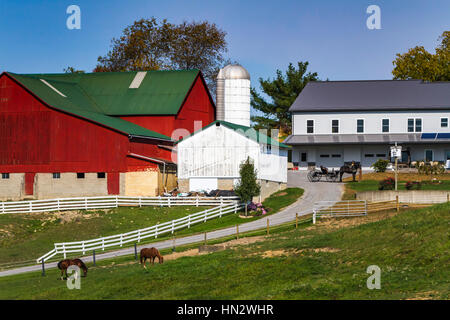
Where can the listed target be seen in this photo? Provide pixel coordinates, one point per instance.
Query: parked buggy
(316, 175)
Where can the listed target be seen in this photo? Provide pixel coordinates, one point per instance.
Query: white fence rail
(347, 208)
(138, 235)
(88, 203)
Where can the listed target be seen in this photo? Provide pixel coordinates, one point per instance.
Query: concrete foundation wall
(412, 196)
(12, 188)
(45, 187)
(268, 187)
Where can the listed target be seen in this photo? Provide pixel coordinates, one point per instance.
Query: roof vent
(138, 78)
(53, 88)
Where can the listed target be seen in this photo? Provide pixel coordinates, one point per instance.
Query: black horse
(353, 168)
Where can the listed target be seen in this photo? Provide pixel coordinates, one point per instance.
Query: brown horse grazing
(64, 264)
(150, 253)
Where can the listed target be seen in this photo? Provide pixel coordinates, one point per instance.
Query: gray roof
(373, 95)
(361, 139)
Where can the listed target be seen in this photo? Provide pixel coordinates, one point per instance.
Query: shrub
(380, 165)
(387, 184)
(413, 185)
(257, 209)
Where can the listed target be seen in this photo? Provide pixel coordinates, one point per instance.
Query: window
(324, 155)
(410, 125)
(335, 155)
(360, 125)
(415, 125)
(56, 175)
(309, 126)
(101, 175)
(429, 155)
(418, 125)
(368, 155)
(303, 157)
(444, 122)
(381, 155)
(334, 126)
(385, 125)
(80, 175)
(5, 175)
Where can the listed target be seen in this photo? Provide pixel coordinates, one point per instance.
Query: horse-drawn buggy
(316, 175)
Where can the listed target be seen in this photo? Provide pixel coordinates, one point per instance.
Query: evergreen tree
(248, 186)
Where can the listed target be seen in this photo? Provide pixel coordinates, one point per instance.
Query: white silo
(233, 95)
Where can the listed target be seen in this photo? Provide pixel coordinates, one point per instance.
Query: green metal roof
(103, 96)
(249, 132)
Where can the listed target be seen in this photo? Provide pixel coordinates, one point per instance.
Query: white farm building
(210, 158)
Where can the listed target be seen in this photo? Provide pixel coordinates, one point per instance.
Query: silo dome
(233, 95)
(233, 71)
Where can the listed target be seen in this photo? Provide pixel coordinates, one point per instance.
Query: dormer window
(335, 126)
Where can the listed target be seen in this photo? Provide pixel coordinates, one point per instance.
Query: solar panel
(428, 136)
(445, 135)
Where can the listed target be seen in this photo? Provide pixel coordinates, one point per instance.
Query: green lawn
(372, 185)
(412, 249)
(25, 237)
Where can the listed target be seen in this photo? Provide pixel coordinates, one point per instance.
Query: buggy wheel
(316, 177)
(329, 177)
(310, 176)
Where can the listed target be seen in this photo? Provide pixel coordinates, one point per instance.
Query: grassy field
(323, 261)
(24, 237)
(370, 182)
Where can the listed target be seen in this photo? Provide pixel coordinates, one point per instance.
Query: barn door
(29, 183)
(113, 183)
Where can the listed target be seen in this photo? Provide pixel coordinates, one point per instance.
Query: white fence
(346, 208)
(88, 203)
(138, 235)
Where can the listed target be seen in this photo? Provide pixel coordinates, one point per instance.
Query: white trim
(53, 88)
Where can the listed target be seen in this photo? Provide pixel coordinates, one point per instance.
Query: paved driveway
(313, 192)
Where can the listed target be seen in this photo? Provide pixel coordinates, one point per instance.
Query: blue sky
(262, 35)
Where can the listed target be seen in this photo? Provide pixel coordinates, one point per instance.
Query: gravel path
(313, 192)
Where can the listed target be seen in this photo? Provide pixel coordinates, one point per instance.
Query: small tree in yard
(248, 187)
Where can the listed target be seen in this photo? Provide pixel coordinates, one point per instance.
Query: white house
(336, 122)
(210, 158)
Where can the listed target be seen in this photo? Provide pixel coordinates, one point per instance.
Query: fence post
(59, 209)
(220, 212)
(205, 239)
(85, 203)
(64, 250)
(173, 244)
(139, 235)
(189, 221)
(296, 220)
(237, 231)
(365, 207)
(314, 217)
(235, 207)
(156, 231)
(82, 246)
(135, 251)
(397, 203)
(448, 197)
(93, 256)
(3, 207)
(31, 206)
(121, 239)
(140, 202)
(117, 201)
(160, 202)
(196, 203)
(221, 201)
(103, 244)
(173, 225)
(267, 226)
(43, 267)
(168, 202)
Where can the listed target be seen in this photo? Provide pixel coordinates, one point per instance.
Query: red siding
(197, 107)
(35, 138)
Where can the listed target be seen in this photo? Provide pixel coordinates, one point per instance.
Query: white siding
(218, 152)
(431, 121)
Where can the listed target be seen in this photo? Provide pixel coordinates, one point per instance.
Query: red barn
(96, 133)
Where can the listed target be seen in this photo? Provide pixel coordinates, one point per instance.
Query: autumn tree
(149, 44)
(283, 90)
(418, 63)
